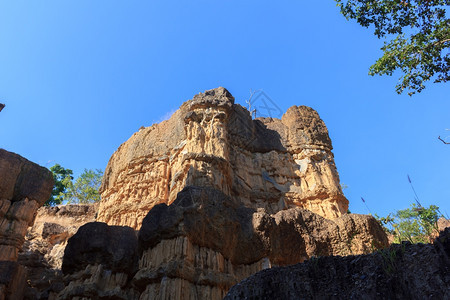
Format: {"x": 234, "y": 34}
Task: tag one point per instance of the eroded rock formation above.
{"x": 202, "y": 244}
{"x": 24, "y": 187}
{"x": 210, "y": 141}
{"x": 44, "y": 246}
{"x": 400, "y": 272}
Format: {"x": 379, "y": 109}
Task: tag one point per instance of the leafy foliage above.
{"x": 420, "y": 44}
{"x": 85, "y": 189}
{"x": 415, "y": 224}
{"x": 62, "y": 179}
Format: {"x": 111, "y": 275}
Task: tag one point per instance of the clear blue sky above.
{"x": 80, "y": 77}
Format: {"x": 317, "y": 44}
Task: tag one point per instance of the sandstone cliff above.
{"x": 24, "y": 187}
{"x": 208, "y": 198}
{"x": 201, "y": 245}
{"x": 210, "y": 141}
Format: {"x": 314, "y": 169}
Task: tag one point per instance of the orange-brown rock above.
{"x": 201, "y": 245}
{"x": 44, "y": 246}
{"x": 24, "y": 187}
{"x": 210, "y": 141}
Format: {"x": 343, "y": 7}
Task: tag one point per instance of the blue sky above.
{"x": 80, "y": 77}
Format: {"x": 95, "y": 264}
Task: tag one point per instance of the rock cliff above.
{"x": 24, "y": 187}
{"x": 210, "y": 141}
{"x": 197, "y": 203}
{"x": 201, "y": 245}
{"x": 400, "y": 272}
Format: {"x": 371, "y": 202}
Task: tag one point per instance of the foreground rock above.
{"x": 210, "y": 141}
{"x": 24, "y": 187}
{"x": 201, "y": 245}
{"x": 101, "y": 260}
{"x": 400, "y": 272}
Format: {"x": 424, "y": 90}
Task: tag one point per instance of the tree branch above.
{"x": 447, "y": 143}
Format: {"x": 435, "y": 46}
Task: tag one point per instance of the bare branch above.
{"x": 447, "y": 143}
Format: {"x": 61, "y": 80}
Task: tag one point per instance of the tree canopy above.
{"x": 62, "y": 177}
{"x": 416, "y": 224}
{"x": 417, "y": 36}
{"x": 83, "y": 190}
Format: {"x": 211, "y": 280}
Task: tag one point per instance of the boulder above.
{"x": 114, "y": 247}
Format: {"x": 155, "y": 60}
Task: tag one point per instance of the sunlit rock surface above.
{"x": 211, "y": 142}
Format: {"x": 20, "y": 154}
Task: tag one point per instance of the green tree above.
{"x": 416, "y": 224}
{"x": 85, "y": 188}
{"x": 417, "y": 36}
{"x": 63, "y": 178}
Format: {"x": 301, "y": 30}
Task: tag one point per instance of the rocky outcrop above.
{"x": 44, "y": 246}
{"x": 2, "y": 106}
{"x": 101, "y": 260}
{"x": 24, "y": 187}
{"x": 267, "y": 163}
{"x": 400, "y": 272}
{"x": 202, "y": 244}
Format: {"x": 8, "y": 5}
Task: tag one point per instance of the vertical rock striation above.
{"x": 201, "y": 245}
{"x": 210, "y": 141}
{"x": 215, "y": 197}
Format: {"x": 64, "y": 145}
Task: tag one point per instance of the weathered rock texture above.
{"x": 210, "y": 141}
{"x": 44, "y": 246}
{"x": 204, "y": 243}
{"x": 24, "y": 187}
{"x": 401, "y": 272}
{"x": 101, "y": 260}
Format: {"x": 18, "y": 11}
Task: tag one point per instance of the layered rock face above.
{"x": 210, "y": 141}
{"x": 215, "y": 197}
{"x": 201, "y": 245}
{"x": 400, "y": 272}
{"x": 24, "y": 187}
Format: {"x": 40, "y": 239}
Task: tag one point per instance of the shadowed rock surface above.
{"x": 115, "y": 247}
{"x": 204, "y": 243}
{"x": 100, "y": 260}
{"x": 400, "y": 272}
